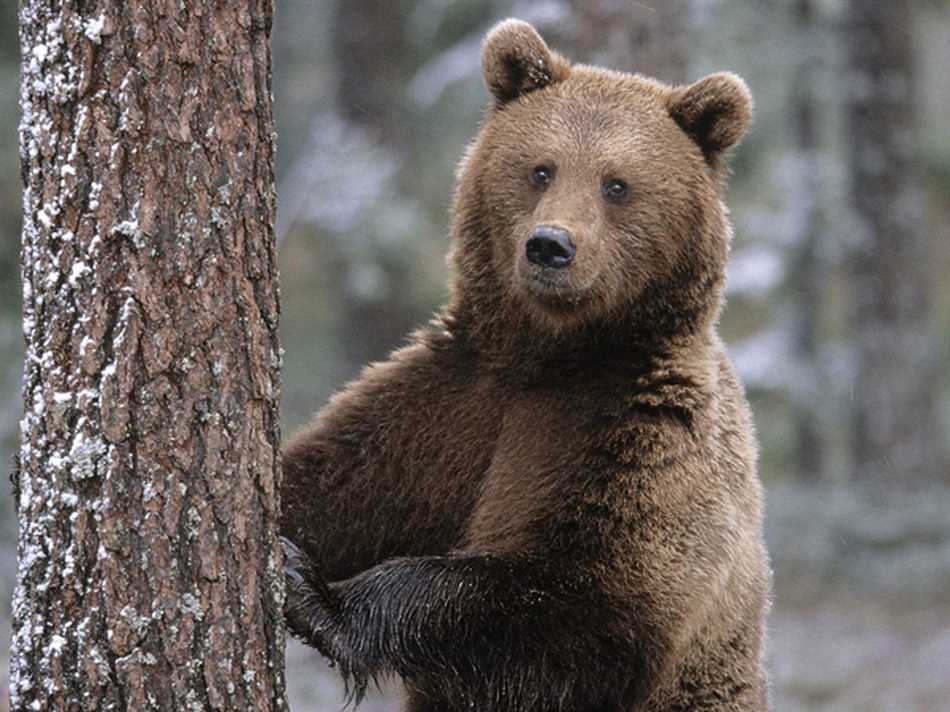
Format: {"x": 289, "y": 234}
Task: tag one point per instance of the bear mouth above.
{"x": 553, "y": 288}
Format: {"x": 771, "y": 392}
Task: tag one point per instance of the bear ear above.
{"x": 515, "y": 61}
{"x": 715, "y": 112}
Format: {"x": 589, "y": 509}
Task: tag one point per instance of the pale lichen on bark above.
{"x": 147, "y": 483}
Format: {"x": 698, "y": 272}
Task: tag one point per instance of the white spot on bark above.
{"x": 93, "y": 29}
{"x": 189, "y": 605}
{"x": 78, "y": 270}
{"x": 85, "y": 454}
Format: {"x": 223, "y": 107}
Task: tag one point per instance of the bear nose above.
{"x": 550, "y": 246}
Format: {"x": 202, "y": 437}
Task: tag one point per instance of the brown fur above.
{"x": 564, "y": 464}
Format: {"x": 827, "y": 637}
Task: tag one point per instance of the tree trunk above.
{"x": 377, "y": 309}
{"x": 806, "y": 273}
{"x": 651, "y": 38}
{"x": 148, "y": 573}
{"x": 369, "y": 45}
{"x": 896, "y": 428}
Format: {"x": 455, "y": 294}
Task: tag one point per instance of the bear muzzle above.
{"x": 550, "y": 246}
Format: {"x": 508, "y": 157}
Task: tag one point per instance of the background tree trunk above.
{"x": 369, "y": 43}
{"x": 370, "y": 46}
{"x": 148, "y": 575}
{"x": 896, "y": 427}
{"x": 651, "y": 38}
{"x": 806, "y": 271}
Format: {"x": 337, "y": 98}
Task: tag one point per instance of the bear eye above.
{"x": 542, "y": 175}
{"x": 615, "y": 190}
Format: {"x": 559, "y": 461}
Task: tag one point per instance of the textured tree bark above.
{"x": 896, "y": 428}
{"x": 148, "y": 575}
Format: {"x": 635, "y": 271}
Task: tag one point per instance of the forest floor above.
{"x": 861, "y": 615}
{"x": 846, "y": 656}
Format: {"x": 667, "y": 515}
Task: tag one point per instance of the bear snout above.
{"x": 550, "y": 246}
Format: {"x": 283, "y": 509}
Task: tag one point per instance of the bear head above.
{"x": 588, "y": 207}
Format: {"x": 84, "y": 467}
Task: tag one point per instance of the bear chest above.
{"x": 548, "y": 464}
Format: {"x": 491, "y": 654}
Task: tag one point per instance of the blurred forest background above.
{"x": 839, "y": 299}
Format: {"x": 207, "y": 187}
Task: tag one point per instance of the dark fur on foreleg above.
{"x": 476, "y": 632}
{"x": 312, "y": 612}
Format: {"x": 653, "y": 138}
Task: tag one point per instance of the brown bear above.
{"x": 549, "y": 500}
